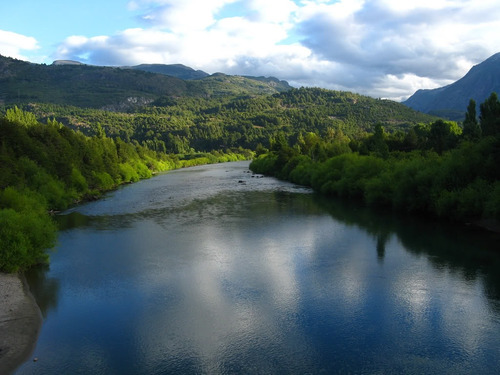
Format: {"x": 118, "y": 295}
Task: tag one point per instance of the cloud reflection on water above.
{"x": 256, "y": 279}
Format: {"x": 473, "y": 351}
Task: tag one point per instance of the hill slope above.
{"x": 174, "y": 70}
{"x": 451, "y": 101}
{"x": 218, "y": 82}
{"x": 177, "y": 125}
{"x": 113, "y": 88}
{"x": 80, "y": 85}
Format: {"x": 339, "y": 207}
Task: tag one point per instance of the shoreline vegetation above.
{"x": 439, "y": 169}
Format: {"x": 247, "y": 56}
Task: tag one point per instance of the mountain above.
{"x": 220, "y": 84}
{"x": 80, "y": 85}
{"x": 174, "y": 70}
{"x": 451, "y": 101}
{"x": 67, "y": 62}
{"x": 230, "y": 83}
{"x": 73, "y": 83}
{"x": 186, "y": 73}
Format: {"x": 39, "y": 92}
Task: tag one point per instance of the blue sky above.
{"x": 381, "y": 48}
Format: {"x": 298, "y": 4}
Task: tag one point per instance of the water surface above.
{"x": 214, "y": 270}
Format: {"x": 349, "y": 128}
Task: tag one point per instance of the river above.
{"x": 212, "y": 270}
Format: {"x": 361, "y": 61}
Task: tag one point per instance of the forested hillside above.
{"x": 113, "y": 88}
{"x": 180, "y": 125}
{"x": 438, "y": 169}
{"x": 174, "y": 70}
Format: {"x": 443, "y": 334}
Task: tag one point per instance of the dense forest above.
{"x": 438, "y": 168}
{"x": 48, "y": 167}
{"x": 182, "y": 124}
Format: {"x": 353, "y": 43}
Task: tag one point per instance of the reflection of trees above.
{"x": 71, "y": 220}
{"x": 469, "y": 251}
{"x": 381, "y": 242}
{"x": 45, "y": 291}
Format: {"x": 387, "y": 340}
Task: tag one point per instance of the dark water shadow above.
{"x": 469, "y": 251}
{"x": 44, "y": 289}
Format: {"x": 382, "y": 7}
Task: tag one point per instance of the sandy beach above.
{"x": 20, "y": 322}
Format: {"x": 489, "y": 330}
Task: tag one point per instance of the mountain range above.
{"x": 121, "y": 88}
{"x": 73, "y": 83}
{"x": 451, "y": 101}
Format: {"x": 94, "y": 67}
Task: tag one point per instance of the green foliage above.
{"x": 186, "y": 124}
{"x": 21, "y": 117}
{"x": 490, "y": 115}
{"x": 377, "y": 143}
{"x": 471, "y": 128}
{"x": 492, "y": 208}
{"x": 25, "y": 229}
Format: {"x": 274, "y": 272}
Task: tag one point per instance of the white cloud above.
{"x": 382, "y": 48}
{"x": 182, "y": 17}
{"x": 276, "y": 11}
{"x": 410, "y": 43}
{"x": 11, "y": 44}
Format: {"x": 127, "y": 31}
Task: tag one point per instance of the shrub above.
{"x": 26, "y": 230}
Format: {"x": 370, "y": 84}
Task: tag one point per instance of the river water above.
{"x": 211, "y": 270}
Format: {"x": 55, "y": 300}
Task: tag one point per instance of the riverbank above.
{"x": 20, "y": 322}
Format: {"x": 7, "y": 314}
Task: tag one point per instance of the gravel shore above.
{"x": 20, "y": 322}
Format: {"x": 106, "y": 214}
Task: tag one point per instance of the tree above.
{"x": 471, "y": 128}
{"x": 410, "y": 141}
{"x": 490, "y": 115}
{"x": 19, "y": 116}
{"x": 377, "y": 143}
{"x": 98, "y": 130}
{"x": 443, "y": 135}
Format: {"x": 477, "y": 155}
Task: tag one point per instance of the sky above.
{"x": 381, "y": 48}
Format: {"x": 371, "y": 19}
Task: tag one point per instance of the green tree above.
{"x": 25, "y": 229}
{"x": 443, "y": 135}
{"x": 377, "y": 142}
{"x": 471, "y": 128}
{"x": 98, "y": 130}
{"x": 490, "y": 115}
{"x": 21, "y": 117}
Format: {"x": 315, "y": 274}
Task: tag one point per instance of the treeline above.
{"x": 184, "y": 124}
{"x": 440, "y": 168}
{"x": 47, "y": 167}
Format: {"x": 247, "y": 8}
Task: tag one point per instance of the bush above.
{"x": 102, "y": 181}
{"x": 128, "y": 173}
{"x": 26, "y": 230}
{"x": 302, "y": 173}
{"x": 264, "y": 164}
